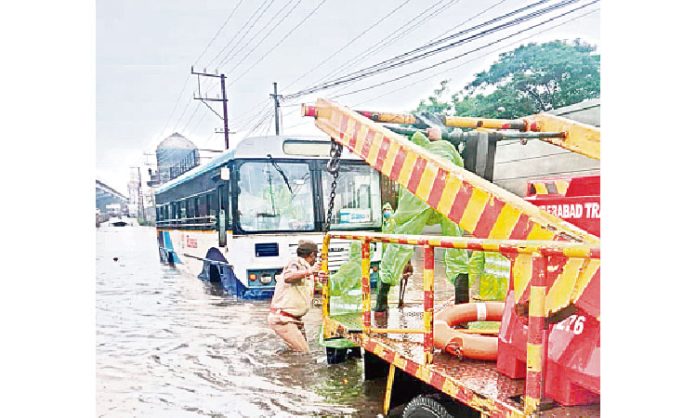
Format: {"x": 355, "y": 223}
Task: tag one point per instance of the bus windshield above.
{"x": 275, "y": 196}
{"x": 358, "y": 200}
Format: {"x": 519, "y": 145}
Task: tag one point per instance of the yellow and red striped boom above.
{"x": 577, "y": 137}
{"x": 476, "y": 205}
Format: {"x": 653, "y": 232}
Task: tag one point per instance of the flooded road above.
{"x": 169, "y": 345}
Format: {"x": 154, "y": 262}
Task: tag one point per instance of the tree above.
{"x": 530, "y": 79}
{"x": 433, "y": 104}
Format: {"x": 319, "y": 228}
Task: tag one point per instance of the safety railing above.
{"x": 529, "y": 270}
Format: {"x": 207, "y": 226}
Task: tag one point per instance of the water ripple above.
{"x": 170, "y": 345}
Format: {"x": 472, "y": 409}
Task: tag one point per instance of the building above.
{"x": 108, "y": 196}
{"x": 175, "y": 155}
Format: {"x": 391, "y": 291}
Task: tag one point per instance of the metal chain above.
{"x": 332, "y": 166}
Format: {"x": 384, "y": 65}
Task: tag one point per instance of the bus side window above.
{"x": 208, "y": 206}
{"x": 200, "y": 208}
{"x": 182, "y": 209}
{"x": 190, "y": 207}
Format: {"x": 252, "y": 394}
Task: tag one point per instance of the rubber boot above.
{"x": 382, "y": 293}
{"x": 461, "y": 288}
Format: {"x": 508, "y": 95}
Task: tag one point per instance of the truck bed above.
{"x": 475, "y": 383}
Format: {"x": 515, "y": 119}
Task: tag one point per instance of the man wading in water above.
{"x": 293, "y": 296}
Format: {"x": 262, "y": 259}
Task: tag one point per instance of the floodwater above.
{"x": 170, "y": 345}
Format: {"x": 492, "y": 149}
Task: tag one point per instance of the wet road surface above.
{"x": 170, "y": 345}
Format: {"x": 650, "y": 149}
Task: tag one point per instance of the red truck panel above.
{"x": 579, "y": 205}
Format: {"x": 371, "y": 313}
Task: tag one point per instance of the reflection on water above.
{"x": 171, "y": 345}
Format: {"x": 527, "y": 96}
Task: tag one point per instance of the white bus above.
{"x": 236, "y": 220}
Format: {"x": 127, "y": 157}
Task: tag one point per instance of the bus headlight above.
{"x": 262, "y": 277}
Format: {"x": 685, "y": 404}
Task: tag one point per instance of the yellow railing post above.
{"x": 428, "y": 302}
{"x": 536, "y": 341}
{"x": 367, "y": 316}
{"x": 325, "y": 291}
{"x": 388, "y": 390}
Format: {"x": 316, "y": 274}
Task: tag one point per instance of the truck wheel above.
{"x": 432, "y": 407}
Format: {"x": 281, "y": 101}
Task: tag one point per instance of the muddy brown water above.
{"x": 170, "y": 345}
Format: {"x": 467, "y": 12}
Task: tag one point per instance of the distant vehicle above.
{"x": 113, "y": 209}
{"x": 237, "y": 219}
{"x": 119, "y": 222}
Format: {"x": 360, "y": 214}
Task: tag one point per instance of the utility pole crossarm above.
{"x": 224, "y": 116}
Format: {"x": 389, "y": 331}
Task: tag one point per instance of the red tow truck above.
{"x": 548, "y": 345}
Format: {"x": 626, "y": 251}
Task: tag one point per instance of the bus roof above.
{"x": 279, "y": 147}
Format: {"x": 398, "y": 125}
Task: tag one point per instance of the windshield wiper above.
{"x": 282, "y": 173}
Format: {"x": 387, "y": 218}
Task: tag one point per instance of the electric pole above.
{"x": 276, "y": 104}
{"x": 215, "y": 99}
{"x": 135, "y": 192}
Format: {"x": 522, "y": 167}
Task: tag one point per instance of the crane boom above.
{"x": 478, "y": 206}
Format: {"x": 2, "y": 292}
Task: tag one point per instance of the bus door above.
{"x": 221, "y": 215}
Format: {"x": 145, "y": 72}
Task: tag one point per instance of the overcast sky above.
{"x": 145, "y": 49}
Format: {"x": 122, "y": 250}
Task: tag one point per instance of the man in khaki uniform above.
{"x": 293, "y": 296}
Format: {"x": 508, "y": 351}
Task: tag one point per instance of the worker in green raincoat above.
{"x": 411, "y": 217}
{"x": 387, "y": 219}
{"x": 489, "y": 275}
{"x": 346, "y": 283}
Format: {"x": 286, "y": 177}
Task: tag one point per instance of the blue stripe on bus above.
{"x": 167, "y": 240}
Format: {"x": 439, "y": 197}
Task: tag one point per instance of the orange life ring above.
{"x": 472, "y": 346}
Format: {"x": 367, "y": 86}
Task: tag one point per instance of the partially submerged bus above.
{"x": 236, "y": 220}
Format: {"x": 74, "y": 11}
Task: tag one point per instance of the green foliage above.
{"x": 530, "y": 79}
{"x": 434, "y": 103}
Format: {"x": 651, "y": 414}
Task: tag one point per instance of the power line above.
{"x": 176, "y": 125}
{"x": 205, "y": 99}
{"x": 237, "y": 33}
{"x": 349, "y": 43}
{"x": 468, "y": 20}
{"x": 191, "y": 118}
{"x": 281, "y": 40}
{"x": 286, "y": 114}
{"x": 176, "y": 104}
{"x": 255, "y": 110}
{"x": 471, "y": 29}
{"x": 402, "y": 59}
{"x": 369, "y": 71}
{"x": 218, "y": 32}
{"x": 476, "y": 58}
{"x": 254, "y": 120}
{"x": 297, "y": 3}
{"x": 229, "y": 55}
{"x": 295, "y": 125}
{"x": 188, "y": 104}
{"x": 259, "y": 123}
{"x": 268, "y": 22}
{"x": 397, "y": 34}
{"x": 178, "y": 99}
{"x": 445, "y": 32}
{"x": 468, "y": 52}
